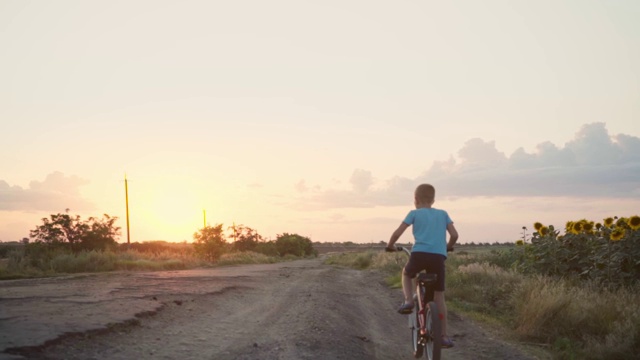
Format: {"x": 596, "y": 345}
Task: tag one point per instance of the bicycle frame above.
{"x": 424, "y": 293}
{"x": 428, "y": 333}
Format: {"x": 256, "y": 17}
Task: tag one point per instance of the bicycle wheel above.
{"x": 434, "y": 332}
{"x": 414, "y": 325}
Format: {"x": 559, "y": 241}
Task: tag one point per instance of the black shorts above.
{"x": 432, "y": 263}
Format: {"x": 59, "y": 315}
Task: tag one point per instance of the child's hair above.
{"x": 425, "y": 193}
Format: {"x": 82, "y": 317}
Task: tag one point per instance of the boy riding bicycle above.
{"x": 429, "y": 252}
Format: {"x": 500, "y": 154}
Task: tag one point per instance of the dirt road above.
{"x": 294, "y": 310}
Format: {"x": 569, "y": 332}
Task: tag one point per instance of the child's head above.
{"x": 425, "y": 195}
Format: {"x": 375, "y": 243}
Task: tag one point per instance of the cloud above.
{"x": 301, "y": 186}
{"x": 55, "y": 193}
{"x": 593, "y": 164}
{"x": 361, "y": 180}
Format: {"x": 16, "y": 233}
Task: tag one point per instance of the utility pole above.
{"x": 234, "y": 232}
{"x": 126, "y": 196}
{"x": 204, "y": 212}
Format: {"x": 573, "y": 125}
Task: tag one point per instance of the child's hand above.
{"x": 390, "y": 249}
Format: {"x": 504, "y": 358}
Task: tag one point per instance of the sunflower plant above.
{"x": 607, "y": 251}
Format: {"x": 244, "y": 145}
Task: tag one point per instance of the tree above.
{"x": 294, "y": 244}
{"x": 101, "y": 234}
{"x": 246, "y": 238}
{"x": 62, "y": 229}
{"x": 209, "y": 242}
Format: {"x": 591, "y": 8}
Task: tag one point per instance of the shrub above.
{"x": 209, "y": 243}
{"x": 267, "y": 248}
{"x": 294, "y": 244}
{"x": 245, "y": 238}
{"x": 7, "y": 248}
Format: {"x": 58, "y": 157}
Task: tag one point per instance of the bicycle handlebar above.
{"x": 406, "y": 250}
{"x": 398, "y": 248}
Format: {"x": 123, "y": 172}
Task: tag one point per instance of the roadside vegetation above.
{"x": 65, "y": 244}
{"x": 573, "y": 294}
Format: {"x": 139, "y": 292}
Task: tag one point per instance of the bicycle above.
{"x": 425, "y": 321}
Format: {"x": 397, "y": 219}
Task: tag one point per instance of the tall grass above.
{"x": 246, "y": 257}
{"x": 586, "y": 321}
{"x": 20, "y": 264}
{"x": 368, "y": 259}
{"x": 92, "y": 261}
{"x": 480, "y": 287}
{"x": 575, "y": 320}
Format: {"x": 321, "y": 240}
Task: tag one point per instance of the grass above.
{"x": 246, "y": 257}
{"x": 572, "y": 320}
{"x": 22, "y": 266}
{"x": 390, "y": 263}
{"x": 584, "y": 321}
{"x": 19, "y": 265}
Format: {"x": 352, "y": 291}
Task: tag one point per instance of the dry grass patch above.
{"x": 390, "y": 263}
{"x": 245, "y": 257}
{"x": 585, "y": 320}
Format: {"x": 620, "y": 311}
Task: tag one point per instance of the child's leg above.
{"x": 407, "y": 288}
{"x": 438, "y": 297}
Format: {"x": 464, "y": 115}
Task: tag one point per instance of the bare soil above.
{"x": 295, "y": 310}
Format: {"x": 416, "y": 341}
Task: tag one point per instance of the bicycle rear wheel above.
{"x": 434, "y": 332}
{"x": 414, "y": 325}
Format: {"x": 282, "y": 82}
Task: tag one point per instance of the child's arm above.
{"x": 453, "y": 236}
{"x": 396, "y": 235}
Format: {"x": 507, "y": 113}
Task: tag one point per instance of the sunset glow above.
{"x": 264, "y": 115}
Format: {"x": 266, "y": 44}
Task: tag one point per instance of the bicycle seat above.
{"x": 427, "y": 278}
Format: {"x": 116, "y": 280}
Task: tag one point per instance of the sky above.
{"x": 318, "y": 117}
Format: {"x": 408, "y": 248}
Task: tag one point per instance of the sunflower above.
{"x": 587, "y": 225}
{"x": 519, "y": 242}
{"x": 617, "y": 234}
{"x": 569, "y": 225}
{"x": 543, "y": 231}
{"x": 608, "y": 222}
{"x": 560, "y": 238}
{"x": 577, "y": 227}
{"x": 537, "y": 226}
{"x": 634, "y": 222}
{"x": 621, "y": 222}
{"x": 598, "y": 226}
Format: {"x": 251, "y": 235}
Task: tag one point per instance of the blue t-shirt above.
{"x": 429, "y": 230}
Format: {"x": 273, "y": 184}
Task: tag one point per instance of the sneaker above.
{"x": 446, "y": 342}
{"x": 405, "y": 309}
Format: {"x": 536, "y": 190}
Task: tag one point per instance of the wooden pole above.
{"x": 234, "y": 232}
{"x": 126, "y": 196}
